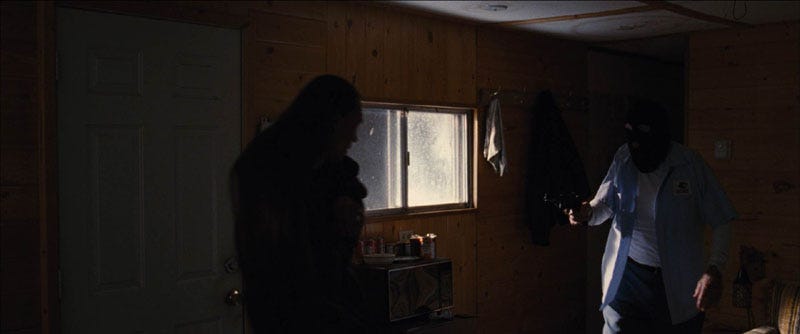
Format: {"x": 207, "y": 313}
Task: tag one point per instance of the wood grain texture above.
{"x": 518, "y": 281}
{"x": 743, "y": 87}
{"x": 20, "y": 167}
{"x": 314, "y": 10}
{"x": 272, "y": 27}
{"x": 18, "y": 239}
{"x": 396, "y": 56}
{"x": 20, "y": 293}
{"x": 284, "y": 51}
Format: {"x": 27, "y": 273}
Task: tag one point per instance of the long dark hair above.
{"x": 272, "y": 182}
{"x": 307, "y": 126}
{"x": 299, "y": 138}
{"x": 276, "y": 165}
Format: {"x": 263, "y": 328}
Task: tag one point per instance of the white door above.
{"x": 149, "y": 124}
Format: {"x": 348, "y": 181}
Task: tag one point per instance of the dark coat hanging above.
{"x": 555, "y": 172}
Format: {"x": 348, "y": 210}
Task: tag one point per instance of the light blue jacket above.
{"x": 689, "y": 198}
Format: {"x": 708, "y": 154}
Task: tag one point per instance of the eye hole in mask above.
{"x": 639, "y": 129}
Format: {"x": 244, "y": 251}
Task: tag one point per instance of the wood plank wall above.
{"x": 391, "y": 56}
{"x": 20, "y": 278}
{"x": 743, "y": 86}
{"x": 284, "y": 48}
{"x": 524, "y": 288}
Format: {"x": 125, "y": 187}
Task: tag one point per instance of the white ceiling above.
{"x": 615, "y": 27}
{"x": 653, "y": 33}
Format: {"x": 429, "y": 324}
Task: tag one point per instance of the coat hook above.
{"x": 496, "y": 92}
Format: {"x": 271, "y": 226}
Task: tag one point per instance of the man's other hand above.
{"x": 580, "y": 215}
{"x": 709, "y": 289}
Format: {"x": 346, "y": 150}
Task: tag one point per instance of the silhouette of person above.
{"x": 660, "y": 195}
{"x": 299, "y": 212}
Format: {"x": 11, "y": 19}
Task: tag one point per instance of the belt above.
{"x": 644, "y": 266}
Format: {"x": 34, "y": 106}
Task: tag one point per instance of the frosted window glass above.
{"x": 437, "y": 171}
{"x": 378, "y": 152}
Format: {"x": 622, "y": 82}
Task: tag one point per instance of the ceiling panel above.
{"x": 621, "y": 27}
{"x": 611, "y": 28}
{"x": 753, "y": 12}
{"x": 515, "y": 10}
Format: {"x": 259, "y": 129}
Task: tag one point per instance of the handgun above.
{"x": 570, "y": 201}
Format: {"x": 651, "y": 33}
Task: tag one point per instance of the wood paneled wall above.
{"x": 523, "y": 288}
{"x": 392, "y": 56}
{"x": 744, "y": 86}
{"x": 396, "y": 56}
{"x": 21, "y": 265}
{"x": 282, "y": 53}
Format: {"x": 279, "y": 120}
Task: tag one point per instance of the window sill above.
{"x": 391, "y": 217}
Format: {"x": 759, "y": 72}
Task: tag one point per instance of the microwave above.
{"x": 400, "y": 291}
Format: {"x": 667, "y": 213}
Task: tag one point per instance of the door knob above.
{"x": 233, "y": 297}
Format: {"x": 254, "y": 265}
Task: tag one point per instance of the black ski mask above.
{"x": 647, "y": 133}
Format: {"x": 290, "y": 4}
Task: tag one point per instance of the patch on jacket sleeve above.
{"x": 682, "y": 188}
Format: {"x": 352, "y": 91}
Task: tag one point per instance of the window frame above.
{"x": 470, "y": 156}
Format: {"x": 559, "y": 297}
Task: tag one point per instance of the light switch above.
{"x": 722, "y": 149}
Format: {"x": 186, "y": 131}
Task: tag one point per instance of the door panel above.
{"x": 115, "y": 208}
{"x": 149, "y": 126}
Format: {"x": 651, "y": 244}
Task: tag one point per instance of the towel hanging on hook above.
{"x": 494, "y": 148}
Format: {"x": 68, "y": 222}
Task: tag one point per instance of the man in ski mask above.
{"x": 660, "y": 195}
{"x": 647, "y": 134}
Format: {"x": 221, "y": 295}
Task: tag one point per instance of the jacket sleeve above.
{"x": 605, "y": 200}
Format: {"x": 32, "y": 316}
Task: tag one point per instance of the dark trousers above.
{"x": 640, "y": 305}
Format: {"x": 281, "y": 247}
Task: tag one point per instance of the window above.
{"x": 414, "y": 158}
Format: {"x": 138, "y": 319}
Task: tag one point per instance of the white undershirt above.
{"x": 644, "y": 242}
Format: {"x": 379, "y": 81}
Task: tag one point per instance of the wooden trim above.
{"x": 427, "y": 107}
{"x": 384, "y": 102}
{"x": 248, "y": 66}
{"x": 257, "y": 14}
{"x": 48, "y": 168}
{"x": 471, "y": 157}
{"x": 665, "y": 5}
{"x": 638, "y": 9}
{"x": 417, "y": 215}
{"x": 650, "y": 5}
{"x": 188, "y": 12}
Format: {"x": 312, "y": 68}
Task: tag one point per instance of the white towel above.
{"x": 494, "y": 150}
